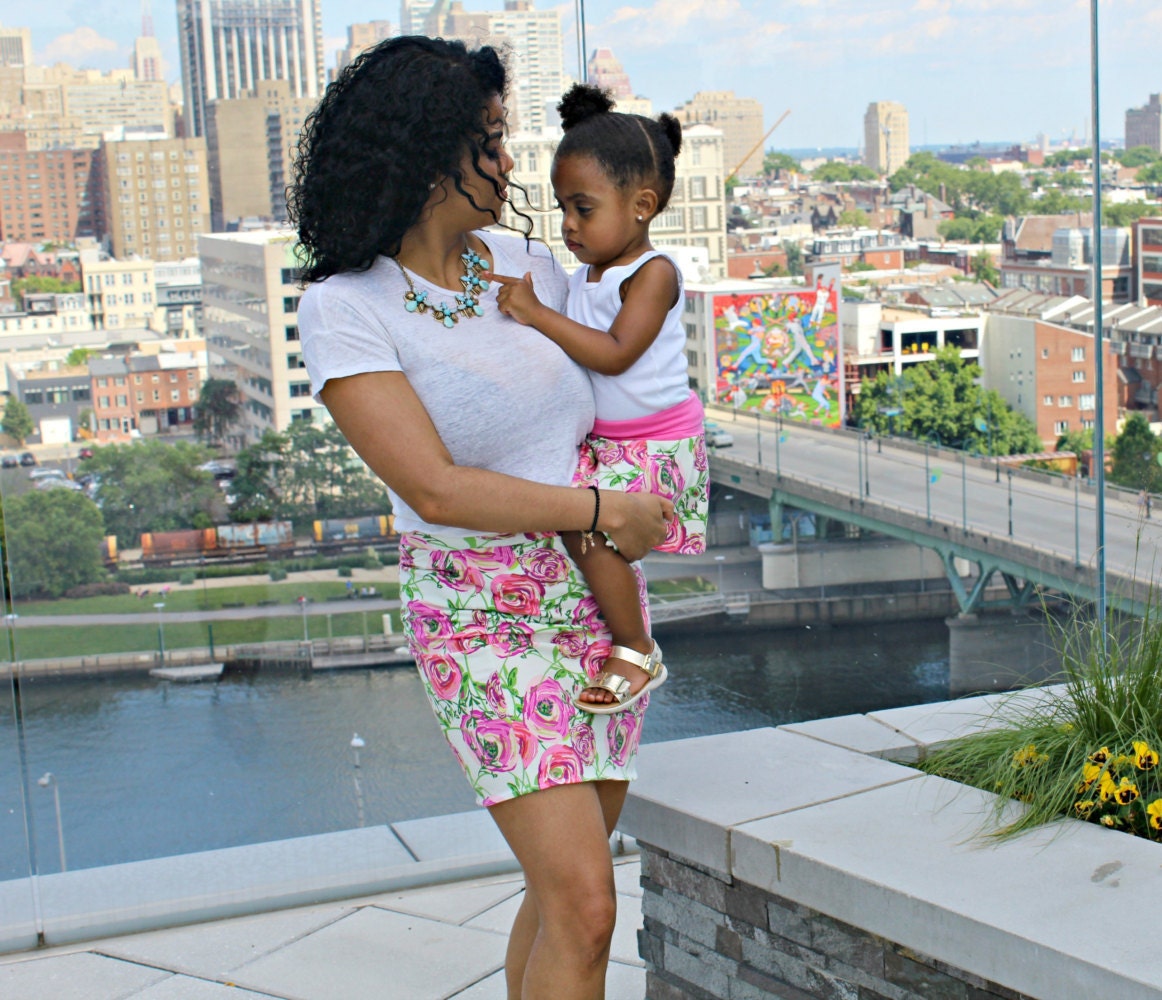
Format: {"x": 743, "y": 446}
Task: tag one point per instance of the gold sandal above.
{"x": 618, "y": 686}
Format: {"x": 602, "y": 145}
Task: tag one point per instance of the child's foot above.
{"x": 628, "y": 675}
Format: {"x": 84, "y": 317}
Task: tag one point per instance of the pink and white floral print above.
{"x": 678, "y": 470}
{"x": 505, "y": 634}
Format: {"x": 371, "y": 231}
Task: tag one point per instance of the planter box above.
{"x": 810, "y": 861}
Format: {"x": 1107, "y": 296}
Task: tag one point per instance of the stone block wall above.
{"x": 706, "y": 939}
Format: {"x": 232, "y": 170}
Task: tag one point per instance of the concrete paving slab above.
{"x": 214, "y": 950}
{"x": 491, "y": 988}
{"x": 931, "y": 725}
{"x": 1008, "y": 911}
{"x": 187, "y": 988}
{"x": 861, "y": 733}
{"x": 459, "y": 834}
{"x": 627, "y": 879}
{"x": 689, "y": 793}
{"x": 78, "y": 976}
{"x": 375, "y": 953}
{"x": 453, "y": 904}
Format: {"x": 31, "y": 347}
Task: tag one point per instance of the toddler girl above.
{"x": 612, "y": 175}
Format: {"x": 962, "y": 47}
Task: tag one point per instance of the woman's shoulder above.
{"x": 515, "y": 248}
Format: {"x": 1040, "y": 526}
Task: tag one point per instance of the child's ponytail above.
{"x": 583, "y": 101}
{"x": 673, "y": 129}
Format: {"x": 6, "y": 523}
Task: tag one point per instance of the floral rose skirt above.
{"x": 678, "y": 470}
{"x": 505, "y": 633}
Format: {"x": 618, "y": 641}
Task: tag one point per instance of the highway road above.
{"x": 943, "y": 486}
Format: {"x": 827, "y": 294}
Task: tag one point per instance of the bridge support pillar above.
{"x": 776, "y": 509}
{"x": 1000, "y": 650}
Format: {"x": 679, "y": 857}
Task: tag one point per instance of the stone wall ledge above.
{"x": 819, "y": 815}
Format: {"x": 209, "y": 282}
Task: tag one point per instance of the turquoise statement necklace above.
{"x": 467, "y": 302}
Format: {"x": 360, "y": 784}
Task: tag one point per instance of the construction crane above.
{"x": 750, "y": 152}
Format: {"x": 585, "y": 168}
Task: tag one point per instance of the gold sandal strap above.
{"x": 615, "y": 684}
{"x": 650, "y": 662}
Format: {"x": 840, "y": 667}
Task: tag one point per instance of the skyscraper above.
{"x": 147, "y": 61}
{"x": 741, "y": 122}
{"x": 606, "y": 72}
{"x": 361, "y": 37}
{"x": 1144, "y": 125}
{"x": 230, "y": 46}
{"x": 538, "y": 64}
{"x": 885, "y": 136}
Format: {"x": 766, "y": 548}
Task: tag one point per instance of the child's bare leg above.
{"x": 614, "y": 587}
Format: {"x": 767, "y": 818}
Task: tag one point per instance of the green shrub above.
{"x": 188, "y": 577}
{"x": 346, "y": 571}
{"x": 277, "y": 572}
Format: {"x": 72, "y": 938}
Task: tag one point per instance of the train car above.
{"x": 168, "y": 546}
{"x": 267, "y": 534}
{"x": 337, "y": 532}
{"x": 109, "y": 550}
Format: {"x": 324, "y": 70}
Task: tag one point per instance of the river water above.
{"x": 146, "y": 768}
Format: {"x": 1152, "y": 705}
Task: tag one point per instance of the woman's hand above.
{"x": 634, "y": 522}
{"x": 516, "y": 297}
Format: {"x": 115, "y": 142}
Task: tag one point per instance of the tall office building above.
{"x": 228, "y": 47}
{"x": 606, "y": 72}
{"x": 15, "y": 46}
{"x": 740, "y": 119}
{"x": 248, "y": 177}
{"x": 413, "y": 15}
{"x": 885, "y": 136}
{"x": 46, "y": 194}
{"x": 361, "y": 37}
{"x": 156, "y": 195}
{"x": 538, "y": 61}
{"x": 1144, "y": 125}
{"x": 147, "y": 61}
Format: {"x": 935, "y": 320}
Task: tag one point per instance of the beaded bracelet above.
{"x": 587, "y": 536}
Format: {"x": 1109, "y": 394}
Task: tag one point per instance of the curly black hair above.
{"x": 631, "y": 149}
{"x": 396, "y": 120}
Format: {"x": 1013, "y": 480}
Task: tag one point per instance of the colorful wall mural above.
{"x": 778, "y": 352}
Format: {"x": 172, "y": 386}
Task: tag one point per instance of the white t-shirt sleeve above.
{"x": 340, "y": 336}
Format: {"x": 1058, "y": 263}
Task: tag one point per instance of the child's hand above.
{"x": 516, "y": 297}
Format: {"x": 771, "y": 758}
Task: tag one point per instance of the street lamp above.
{"x": 357, "y": 744}
{"x": 49, "y": 779}
{"x": 303, "y": 608}
{"x": 160, "y": 606}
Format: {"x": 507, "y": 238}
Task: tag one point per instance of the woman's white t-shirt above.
{"x": 502, "y": 396}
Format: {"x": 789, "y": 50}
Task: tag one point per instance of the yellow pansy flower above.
{"x": 1146, "y": 758}
{"x": 1154, "y": 811}
{"x": 1109, "y": 821}
{"x": 1100, "y": 756}
{"x": 1085, "y": 807}
{"x": 1089, "y": 773}
{"x": 1127, "y": 792}
{"x": 1108, "y": 788}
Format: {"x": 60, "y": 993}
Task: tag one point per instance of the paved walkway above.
{"x": 424, "y": 944}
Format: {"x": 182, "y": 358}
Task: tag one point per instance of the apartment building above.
{"x": 1147, "y": 257}
{"x": 1144, "y": 125}
{"x": 739, "y": 119}
{"x": 121, "y": 294}
{"x": 229, "y": 47}
{"x": 47, "y": 195}
{"x": 250, "y": 143}
{"x": 250, "y": 299}
{"x": 156, "y": 194}
{"x": 885, "y": 136}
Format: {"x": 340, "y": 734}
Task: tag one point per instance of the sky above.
{"x": 967, "y": 70}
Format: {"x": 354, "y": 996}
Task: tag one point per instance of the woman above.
{"x": 474, "y": 423}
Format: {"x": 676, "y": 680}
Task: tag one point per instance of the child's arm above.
{"x": 649, "y": 294}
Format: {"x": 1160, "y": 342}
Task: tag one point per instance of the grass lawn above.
{"x": 246, "y": 595}
{"x": 93, "y": 640}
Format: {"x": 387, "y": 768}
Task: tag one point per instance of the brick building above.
{"x": 46, "y": 195}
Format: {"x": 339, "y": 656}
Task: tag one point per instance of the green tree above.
{"x": 983, "y": 269}
{"x": 17, "y": 422}
{"x": 794, "y": 254}
{"x": 1137, "y": 156}
{"x": 154, "y": 486}
{"x": 219, "y": 408}
{"x": 835, "y": 172}
{"x": 1127, "y": 213}
{"x": 853, "y": 217}
{"x": 942, "y": 401}
{"x": 1135, "y": 456}
{"x": 774, "y": 162}
{"x": 1151, "y": 174}
{"x": 41, "y": 283}
{"x": 972, "y": 227}
{"x": 54, "y": 542}
{"x": 78, "y": 356}
{"x": 1056, "y": 202}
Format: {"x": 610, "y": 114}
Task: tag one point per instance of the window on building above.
{"x": 697, "y": 187}
{"x": 300, "y": 389}
{"x": 1047, "y": 400}
{"x": 1079, "y": 376}
{"x": 140, "y": 397}
{"x": 290, "y": 303}
{"x": 122, "y": 400}
{"x": 1086, "y": 402}
{"x": 1077, "y": 354}
{"x": 175, "y": 395}
{"x": 1065, "y": 401}
{"x": 698, "y": 217}
{"x": 292, "y": 333}
{"x": 156, "y": 395}
{"x": 1061, "y": 427}
{"x": 1044, "y": 352}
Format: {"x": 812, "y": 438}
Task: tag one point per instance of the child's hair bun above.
{"x": 583, "y": 101}
{"x": 673, "y": 129}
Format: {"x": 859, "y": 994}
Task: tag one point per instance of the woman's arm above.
{"x": 383, "y": 419}
{"x": 649, "y": 295}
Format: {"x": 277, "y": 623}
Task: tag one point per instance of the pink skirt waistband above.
{"x": 682, "y": 421}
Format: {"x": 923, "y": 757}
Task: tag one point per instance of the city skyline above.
{"x": 974, "y": 70}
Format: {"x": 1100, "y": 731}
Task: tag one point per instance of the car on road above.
{"x": 27, "y": 458}
{"x": 46, "y": 472}
{"x": 86, "y": 453}
{"x": 9, "y": 462}
{"x": 716, "y": 437}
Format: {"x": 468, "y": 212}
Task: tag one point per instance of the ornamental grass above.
{"x": 1092, "y": 753}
